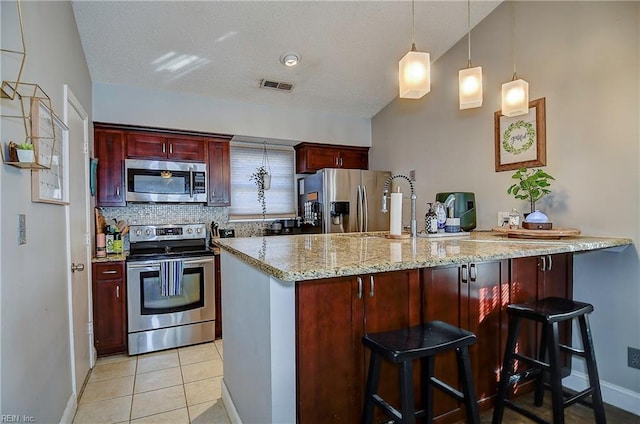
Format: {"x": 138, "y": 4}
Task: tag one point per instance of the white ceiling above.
{"x": 349, "y": 49}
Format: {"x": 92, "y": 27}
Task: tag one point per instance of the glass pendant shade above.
{"x": 415, "y": 75}
{"x": 470, "y": 87}
{"x": 515, "y": 97}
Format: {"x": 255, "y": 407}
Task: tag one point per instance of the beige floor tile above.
{"x": 105, "y": 411}
{"x": 158, "y": 361}
{"x": 107, "y": 389}
{"x": 203, "y": 390}
{"x": 160, "y": 379}
{"x": 218, "y": 344}
{"x": 177, "y": 416}
{"x": 198, "y": 353}
{"x": 114, "y": 358}
{"x": 201, "y": 370}
{"x": 106, "y": 371}
{"x": 157, "y": 401}
{"x": 209, "y": 412}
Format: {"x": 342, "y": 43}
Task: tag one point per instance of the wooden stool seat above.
{"x": 421, "y": 342}
{"x": 549, "y": 312}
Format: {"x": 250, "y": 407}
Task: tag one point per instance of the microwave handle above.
{"x": 191, "y": 182}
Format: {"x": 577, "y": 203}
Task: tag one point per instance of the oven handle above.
{"x": 191, "y": 182}
{"x": 150, "y": 264}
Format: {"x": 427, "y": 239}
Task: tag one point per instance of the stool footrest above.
{"x": 524, "y": 375}
{"x": 573, "y": 350}
{"x": 578, "y": 397}
{"x": 531, "y": 361}
{"x": 447, "y": 389}
{"x": 392, "y": 412}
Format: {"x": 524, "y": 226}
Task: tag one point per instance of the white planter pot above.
{"x": 26, "y": 155}
{"x": 267, "y": 182}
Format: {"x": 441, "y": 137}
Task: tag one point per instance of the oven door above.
{"x": 147, "y": 307}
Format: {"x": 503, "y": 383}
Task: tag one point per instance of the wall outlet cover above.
{"x": 503, "y": 219}
{"x": 633, "y": 357}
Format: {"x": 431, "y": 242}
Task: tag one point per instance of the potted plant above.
{"x": 532, "y": 185}
{"x": 262, "y": 178}
{"x": 25, "y": 152}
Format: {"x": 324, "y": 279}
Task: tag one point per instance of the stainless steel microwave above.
{"x": 165, "y": 181}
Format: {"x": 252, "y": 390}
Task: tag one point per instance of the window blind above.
{"x": 280, "y": 198}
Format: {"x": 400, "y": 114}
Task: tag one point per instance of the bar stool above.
{"x": 549, "y": 312}
{"x": 420, "y": 342}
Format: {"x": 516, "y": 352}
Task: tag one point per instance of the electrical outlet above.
{"x": 503, "y": 219}
{"x": 633, "y": 357}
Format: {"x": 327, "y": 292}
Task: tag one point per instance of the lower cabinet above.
{"x": 467, "y": 296}
{"x": 109, "y": 307}
{"x": 332, "y": 315}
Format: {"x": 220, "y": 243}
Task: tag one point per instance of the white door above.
{"x": 80, "y": 248}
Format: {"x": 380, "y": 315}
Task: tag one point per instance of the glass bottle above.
{"x": 441, "y": 214}
{"x": 514, "y": 219}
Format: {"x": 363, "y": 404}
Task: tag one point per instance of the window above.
{"x": 280, "y": 198}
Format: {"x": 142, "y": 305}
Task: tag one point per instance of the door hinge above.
{"x": 90, "y": 328}
{"x": 87, "y": 239}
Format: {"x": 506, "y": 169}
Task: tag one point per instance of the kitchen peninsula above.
{"x": 299, "y": 305}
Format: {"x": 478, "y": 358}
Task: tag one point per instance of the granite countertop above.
{"x": 313, "y": 256}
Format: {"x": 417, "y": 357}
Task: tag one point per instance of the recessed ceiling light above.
{"x": 290, "y": 59}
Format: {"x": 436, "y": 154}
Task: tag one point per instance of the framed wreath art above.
{"x": 520, "y": 141}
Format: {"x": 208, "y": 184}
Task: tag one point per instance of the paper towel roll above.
{"x": 395, "y": 228}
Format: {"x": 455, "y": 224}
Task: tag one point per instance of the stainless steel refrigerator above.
{"x": 343, "y": 201}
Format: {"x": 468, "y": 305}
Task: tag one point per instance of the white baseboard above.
{"x": 70, "y": 410}
{"x": 613, "y": 395}
{"x": 228, "y": 404}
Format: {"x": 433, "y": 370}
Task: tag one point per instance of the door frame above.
{"x": 70, "y": 100}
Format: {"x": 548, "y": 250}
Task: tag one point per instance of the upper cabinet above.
{"x": 143, "y": 145}
{"x": 109, "y": 149}
{"x": 219, "y": 172}
{"x": 311, "y": 157}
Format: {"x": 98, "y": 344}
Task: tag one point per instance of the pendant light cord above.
{"x": 513, "y": 38}
{"x": 413, "y": 25}
{"x": 469, "y": 32}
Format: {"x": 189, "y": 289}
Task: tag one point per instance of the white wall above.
{"x": 165, "y": 109}
{"x": 35, "y": 367}
{"x": 583, "y": 57}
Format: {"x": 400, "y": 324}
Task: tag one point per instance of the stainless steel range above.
{"x": 170, "y": 287}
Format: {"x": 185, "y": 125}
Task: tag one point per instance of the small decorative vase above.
{"x": 266, "y": 182}
{"x": 26, "y": 155}
{"x": 537, "y": 217}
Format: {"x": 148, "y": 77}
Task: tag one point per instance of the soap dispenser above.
{"x": 431, "y": 220}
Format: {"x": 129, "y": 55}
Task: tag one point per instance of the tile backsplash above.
{"x": 141, "y": 214}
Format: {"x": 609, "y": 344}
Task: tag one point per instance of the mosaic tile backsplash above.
{"x": 144, "y": 214}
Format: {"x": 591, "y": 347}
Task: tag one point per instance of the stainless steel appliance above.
{"x": 158, "y": 320}
{"x": 165, "y": 181}
{"x": 342, "y": 201}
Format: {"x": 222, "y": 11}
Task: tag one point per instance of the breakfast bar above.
{"x": 297, "y": 307}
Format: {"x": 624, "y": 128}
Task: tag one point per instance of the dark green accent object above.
{"x": 464, "y": 208}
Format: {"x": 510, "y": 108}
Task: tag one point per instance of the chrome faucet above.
{"x": 385, "y": 193}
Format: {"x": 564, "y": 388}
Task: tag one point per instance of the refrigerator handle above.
{"x": 359, "y": 222}
{"x": 365, "y": 208}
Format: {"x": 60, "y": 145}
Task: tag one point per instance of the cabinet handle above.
{"x": 340, "y": 161}
{"x": 118, "y": 292}
{"x": 372, "y": 286}
{"x": 473, "y": 272}
{"x": 337, "y": 161}
{"x": 117, "y": 190}
{"x": 213, "y": 194}
{"x": 109, "y": 272}
{"x": 544, "y": 263}
{"x": 550, "y": 262}
{"x": 164, "y": 148}
{"x": 359, "y": 287}
{"x": 465, "y": 276}
{"x": 170, "y": 148}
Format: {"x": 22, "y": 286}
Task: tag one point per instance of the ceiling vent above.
{"x": 275, "y": 85}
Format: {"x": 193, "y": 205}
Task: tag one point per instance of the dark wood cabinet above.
{"x": 109, "y": 150}
{"x": 219, "y": 170}
{"x": 467, "y": 296}
{"x": 332, "y": 315}
{"x": 311, "y": 157}
{"x": 109, "y": 307}
{"x": 143, "y": 145}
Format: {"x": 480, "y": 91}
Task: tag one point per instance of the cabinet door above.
{"x": 186, "y": 149}
{"x": 146, "y": 146}
{"x": 109, "y": 149}
{"x": 219, "y": 174}
{"x": 354, "y": 159}
{"x": 326, "y": 350}
{"x": 109, "y": 308}
{"x": 309, "y": 159}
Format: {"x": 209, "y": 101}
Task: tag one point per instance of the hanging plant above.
{"x": 259, "y": 177}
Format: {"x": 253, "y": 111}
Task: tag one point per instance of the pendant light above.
{"x": 515, "y": 94}
{"x": 470, "y": 79}
{"x": 414, "y": 69}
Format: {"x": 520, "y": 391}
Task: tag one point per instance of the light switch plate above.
{"x": 22, "y": 229}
